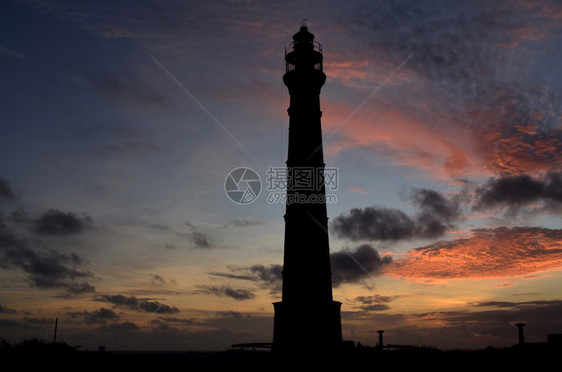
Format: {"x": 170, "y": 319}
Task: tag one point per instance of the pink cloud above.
{"x": 403, "y": 138}
{"x": 488, "y": 253}
{"x": 358, "y": 190}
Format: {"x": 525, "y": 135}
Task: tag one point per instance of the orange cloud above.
{"x": 358, "y": 190}
{"x": 401, "y": 137}
{"x": 488, "y": 253}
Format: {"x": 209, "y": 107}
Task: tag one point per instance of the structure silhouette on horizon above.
{"x": 307, "y": 317}
{"x": 520, "y": 332}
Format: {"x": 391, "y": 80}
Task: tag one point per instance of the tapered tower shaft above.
{"x": 307, "y": 316}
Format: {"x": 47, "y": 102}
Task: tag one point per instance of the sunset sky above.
{"x": 120, "y": 122}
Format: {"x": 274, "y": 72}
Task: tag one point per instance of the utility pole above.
{"x": 56, "y": 325}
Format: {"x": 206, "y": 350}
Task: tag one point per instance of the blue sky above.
{"x": 121, "y": 121}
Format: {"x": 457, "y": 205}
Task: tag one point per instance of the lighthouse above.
{"x": 307, "y": 318}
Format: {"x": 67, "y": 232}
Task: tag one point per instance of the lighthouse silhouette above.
{"x": 307, "y": 318}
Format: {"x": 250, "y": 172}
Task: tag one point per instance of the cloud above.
{"x": 373, "y": 303}
{"x": 348, "y": 266}
{"x": 162, "y": 320}
{"x": 487, "y": 253}
{"x": 268, "y": 276}
{"x": 157, "y": 279}
{"x": 436, "y": 212}
{"x": 520, "y": 190}
{"x": 243, "y": 223}
{"x": 374, "y": 223}
{"x": 433, "y": 203}
{"x": 384, "y": 224}
{"x": 51, "y": 269}
{"x": 543, "y": 312}
{"x": 470, "y": 72}
{"x": 200, "y": 239}
{"x": 7, "y": 310}
{"x": 137, "y": 304}
{"x": 120, "y": 327}
{"x": 226, "y": 291}
{"x": 101, "y": 316}
{"x": 355, "y": 266}
{"x": 55, "y": 222}
{"x": 36, "y": 321}
{"x": 6, "y": 190}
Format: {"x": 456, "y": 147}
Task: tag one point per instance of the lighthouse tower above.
{"x": 307, "y": 317}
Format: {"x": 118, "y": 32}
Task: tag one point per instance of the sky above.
{"x": 121, "y": 122}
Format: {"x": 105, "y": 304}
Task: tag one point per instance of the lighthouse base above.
{"x": 306, "y": 327}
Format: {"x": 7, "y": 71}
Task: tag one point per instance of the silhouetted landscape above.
{"x": 37, "y": 353}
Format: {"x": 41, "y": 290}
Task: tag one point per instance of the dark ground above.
{"x": 529, "y": 357}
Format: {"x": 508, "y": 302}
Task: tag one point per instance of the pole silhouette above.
{"x": 521, "y": 336}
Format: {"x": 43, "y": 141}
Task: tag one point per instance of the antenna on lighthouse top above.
{"x": 303, "y": 23}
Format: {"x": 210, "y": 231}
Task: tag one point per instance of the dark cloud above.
{"x": 268, "y": 276}
{"x": 231, "y": 314}
{"x": 356, "y": 266}
{"x": 520, "y": 190}
{"x": 348, "y": 266}
{"x": 519, "y": 306}
{"x": 6, "y": 190}
{"x": 384, "y": 224}
{"x": 376, "y": 299}
{"x": 75, "y": 289}
{"x": 433, "y": 203}
{"x": 243, "y": 223}
{"x": 39, "y": 321}
{"x": 19, "y": 216}
{"x": 374, "y": 223}
{"x": 101, "y": 316}
{"x": 200, "y": 239}
{"x": 436, "y": 212}
{"x": 120, "y": 327}
{"x": 162, "y": 320}
{"x": 157, "y": 279}
{"x": 235, "y": 276}
{"x": 55, "y": 222}
{"x": 45, "y": 269}
{"x": 373, "y": 303}
{"x": 7, "y": 310}
{"x": 12, "y": 323}
{"x": 544, "y": 314}
{"x": 226, "y": 291}
{"x": 375, "y": 307}
{"x": 51, "y": 269}
{"x": 137, "y": 304}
